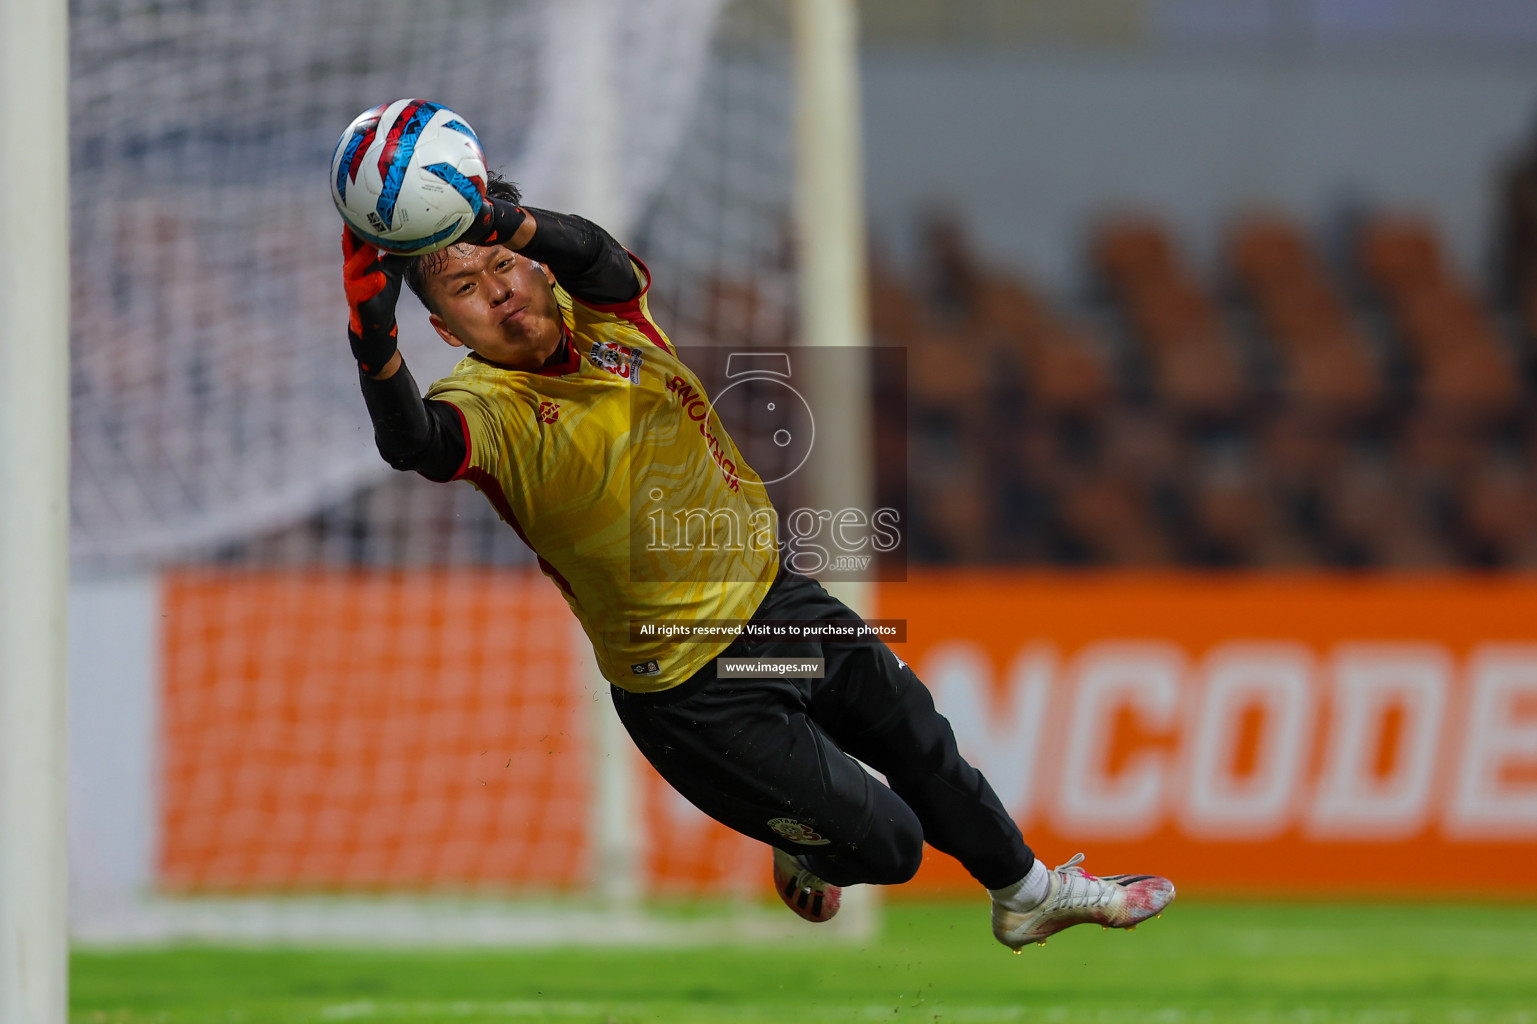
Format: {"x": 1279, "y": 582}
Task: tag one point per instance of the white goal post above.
{"x": 830, "y": 235}
{"x": 34, "y": 511}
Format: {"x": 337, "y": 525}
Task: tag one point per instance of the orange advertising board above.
{"x": 327, "y": 730}
{"x": 1259, "y": 734}
{"x": 1272, "y": 734}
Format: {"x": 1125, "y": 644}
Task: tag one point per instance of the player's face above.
{"x": 496, "y": 303}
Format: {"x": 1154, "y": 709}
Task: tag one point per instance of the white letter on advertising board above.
{"x": 1275, "y": 678}
{"x": 1370, "y": 680}
{"x": 1109, "y": 676}
{"x": 1501, "y": 734}
{"x": 1002, "y": 743}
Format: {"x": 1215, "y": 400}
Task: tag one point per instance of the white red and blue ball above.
{"x": 409, "y": 176}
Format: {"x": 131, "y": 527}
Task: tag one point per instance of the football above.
{"x": 408, "y": 176}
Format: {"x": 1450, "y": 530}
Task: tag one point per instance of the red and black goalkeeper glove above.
{"x": 373, "y": 287}
{"x": 497, "y": 222}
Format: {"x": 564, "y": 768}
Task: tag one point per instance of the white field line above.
{"x": 427, "y": 922}
{"x": 363, "y": 1010}
{"x": 900, "y": 1009}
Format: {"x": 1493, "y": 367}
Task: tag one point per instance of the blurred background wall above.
{"x": 1052, "y": 139}
{"x": 1030, "y": 119}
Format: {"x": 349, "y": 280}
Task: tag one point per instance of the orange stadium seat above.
{"x": 1130, "y": 249}
{"x": 1463, "y": 366}
{"x": 1381, "y": 515}
{"x": 1193, "y": 361}
{"x": 1064, "y": 373}
{"x": 1299, "y": 450}
{"x": 1326, "y": 361}
{"x": 947, "y": 375}
{"x": 1109, "y": 515}
{"x": 1061, "y": 370}
{"x": 1236, "y": 522}
{"x": 952, "y": 501}
{"x": 1499, "y": 512}
{"x": 1440, "y": 447}
{"x": 1140, "y": 444}
{"x": 1400, "y": 254}
{"x": 1006, "y": 304}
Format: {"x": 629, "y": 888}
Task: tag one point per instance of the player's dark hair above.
{"x": 420, "y": 268}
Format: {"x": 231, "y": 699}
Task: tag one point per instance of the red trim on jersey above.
{"x": 465, "y": 465}
{"x": 630, "y": 309}
{"x": 573, "y": 358}
{"x": 552, "y": 572}
{"x": 649, "y": 329}
{"x": 492, "y": 489}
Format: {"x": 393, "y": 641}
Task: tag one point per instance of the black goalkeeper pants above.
{"x": 774, "y": 758}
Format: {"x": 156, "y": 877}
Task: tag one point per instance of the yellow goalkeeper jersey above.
{"x": 614, "y": 468}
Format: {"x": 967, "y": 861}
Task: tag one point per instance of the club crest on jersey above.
{"x": 620, "y": 360}
{"x": 797, "y": 832}
{"x": 549, "y": 412}
{"x": 646, "y": 668}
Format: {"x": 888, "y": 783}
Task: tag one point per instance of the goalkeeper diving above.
{"x": 567, "y": 402}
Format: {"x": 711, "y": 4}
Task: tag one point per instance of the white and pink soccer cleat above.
{"x": 1073, "y": 896}
{"x": 803, "y": 892}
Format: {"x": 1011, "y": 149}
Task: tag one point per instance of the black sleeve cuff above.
{"x": 412, "y": 433}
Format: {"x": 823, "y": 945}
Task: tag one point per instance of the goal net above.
{"x": 312, "y": 698}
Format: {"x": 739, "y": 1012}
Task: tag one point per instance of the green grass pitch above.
{"x": 935, "y": 963}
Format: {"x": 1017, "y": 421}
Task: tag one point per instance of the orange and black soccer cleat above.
{"x": 803, "y": 892}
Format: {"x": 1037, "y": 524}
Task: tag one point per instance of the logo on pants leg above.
{"x": 797, "y": 832}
